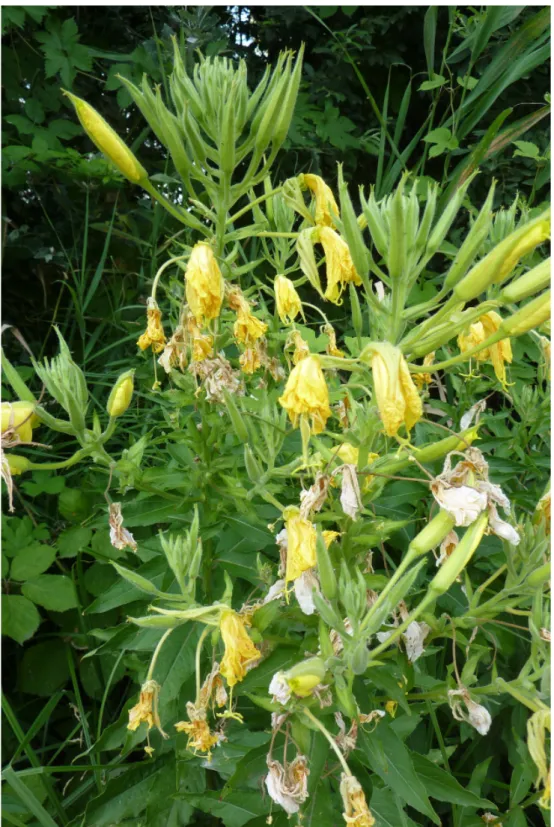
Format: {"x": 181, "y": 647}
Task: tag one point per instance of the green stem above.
{"x": 329, "y": 737}
{"x": 199, "y": 645}
{"x": 161, "y": 270}
{"x": 405, "y": 563}
{"x": 157, "y": 651}
{"x": 249, "y": 206}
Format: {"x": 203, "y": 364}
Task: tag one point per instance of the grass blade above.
{"x": 429, "y": 34}
{"x": 30, "y": 801}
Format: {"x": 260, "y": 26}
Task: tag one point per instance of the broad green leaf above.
{"x": 388, "y": 810}
{"x": 72, "y": 540}
{"x": 234, "y": 811}
{"x": 427, "y": 85}
{"x": 20, "y": 618}
{"x": 151, "y": 511}
{"x": 390, "y": 759}
{"x": 53, "y": 591}
{"x": 122, "y": 592}
{"x": 442, "y": 785}
{"x": 47, "y": 660}
{"x": 32, "y": 561}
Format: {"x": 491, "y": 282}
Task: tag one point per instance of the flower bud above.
{"x": 499, "y": 263}
{"x": 17, "y": 464}
{"x": 325, "y": 569}
{"x": 433, "y": 534}
{"x": 19, "y": 417}
{"x": 532, "y": 282}
{"x": 532, "y": 315}
{"x": 305, "y": 676}
{"x": 121, "y": 394}
{"x": 108, "y": 141}
{"x": 460, "y": 557}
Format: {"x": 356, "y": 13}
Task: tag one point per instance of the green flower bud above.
{"x": 325, "y": 569}
{"x": 121, "y": 394}
{"x": 459, "y": 558}
{"x": 532, "y": 282}
{"x": 433, "y": 534}
{"x": 305, "y": 676}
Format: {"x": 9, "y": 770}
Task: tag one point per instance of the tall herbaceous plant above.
{"x": 297, "y": 438}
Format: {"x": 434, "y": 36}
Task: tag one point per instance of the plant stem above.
{"x": 199, "y": 645}
{"x": 157, "y": 651}
{"x": 330, "y": 738}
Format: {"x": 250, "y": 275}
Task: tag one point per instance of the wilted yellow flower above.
{"x": 306, "y": 393}
{"x": 203, "y": 284}
{"x": 250, "y": 360}
{"x": 391, "y": 707}
{"x": 422, "y": 379}
{"x": 498, "y": 354}
{"x": 301, "y": 546}
{"x": 332, "y": 348}
{"x": 287, "y": 299}
{"x": 120, "y": 537}
{"x": 248, "y": 328}
{"x": 325, "y": 204}
{"x": 348, "y": 453}
{"x": 202, "y": 343}
{"x": 340, "y": 267}
{"x": 200, "y": 737}
{"x": 356, "y": 811}
{"x": 154, "y": 335}
{"x": 19, "y": 418}
{"x": 240, "y": 652}
{"x": 147, "y": 708}
{"x": 397, "y": 398}
{"x": 543, "y": 512}
{"x": 107, "y": 140}
{"x": 288, "y": 786}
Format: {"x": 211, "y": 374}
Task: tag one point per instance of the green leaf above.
{"x": 387, "y": 809}
{"x": 32, "y": 561}
{"x": 20, "y": 618}
{"x": 467, "y": 82}
{"x": 442, "y": 785}
{"x": 390, "y": 759}
{"x": 53, "y": 591}
{"x": 44, "y": 668}
{"x": 150, "y": 511}
{"x": 438, "y": 80}
{"x": 234, "y": 811}
{"x": 122, "y": 592}
{"x": 526, "y": 149}
{"x": 72, "y": 540}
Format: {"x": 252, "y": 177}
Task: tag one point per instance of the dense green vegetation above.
{"x": 412, "y": 102}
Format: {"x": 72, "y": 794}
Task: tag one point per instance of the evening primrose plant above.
{"x": 295, "y": 432}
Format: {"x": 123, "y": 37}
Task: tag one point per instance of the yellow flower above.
{"x": 288, "y": 300}
{"x": 248, "y": 328}
{"x": 301, "y": 546}
{"x": 330, "y": 537}
{"x": 147, "y": 708}
{"x": 537, "y": 727}
{"x": 397, "y": 398}
{"x": 17, "y": 465}
{"x": 203, "y": 284}
{"x": 332, "y": 348}
{"x": 391, "y": 707}
{"x": 154, "y": 335}
{"x": 422, "y": 379}
{"x": 498, "y": 354}
{"x": 19, "y": 417}
{"x": 303, "y": 678}
{"x": 325, "y": 203}
{"x": 306, "y": 393}
{"x": 348, "y": 453}
{"x": 340, "y": 268}
{"x": 240, "y": 652}
{"x": 107, "y": 140}
{"x": 356, "y": 811}
{"x": 200, "y": 737}
{"x": 250, "y": 360}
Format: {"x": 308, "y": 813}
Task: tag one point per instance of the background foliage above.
{"x": 80, "y": 250}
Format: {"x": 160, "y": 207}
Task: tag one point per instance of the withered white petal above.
{"x": 464, "y": 504}
{"x": 304, "y": 587}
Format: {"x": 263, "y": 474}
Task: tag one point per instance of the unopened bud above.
{"x": 532, "y": 282}
{"x": 108, "y": 141}
{"x": 305, "y": 676}
{"x": 460, "y": 557}
{"x": 121, "y": 394}
{"x": 532, "y": 315}
{"x": 433, "y": 534}
{"x": 17, "y": 464}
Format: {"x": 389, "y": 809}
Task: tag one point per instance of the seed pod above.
{"x": 356, "y": 310}
{"x": 360, "y": 658}
{"x": 536, "y": 279}
{"x": 396, "y": 254}
{"x": 351, "y": 230}
{"x": 345, "y": 698}
{"x": 325, "y": 570}
{"x": 253, "y": 467}
{"x": 539, "y": 576}
{"x": 433, "y": 534}
{"x": 459, "y": 558}
{"x": 325, "y": 645}
{"x": 228, "y": 136}
{"x": 237, "y": 419}
{"x": 108, "y": 141}
{"x": 375, "y": 223}
{"x": 121, "y": 394}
